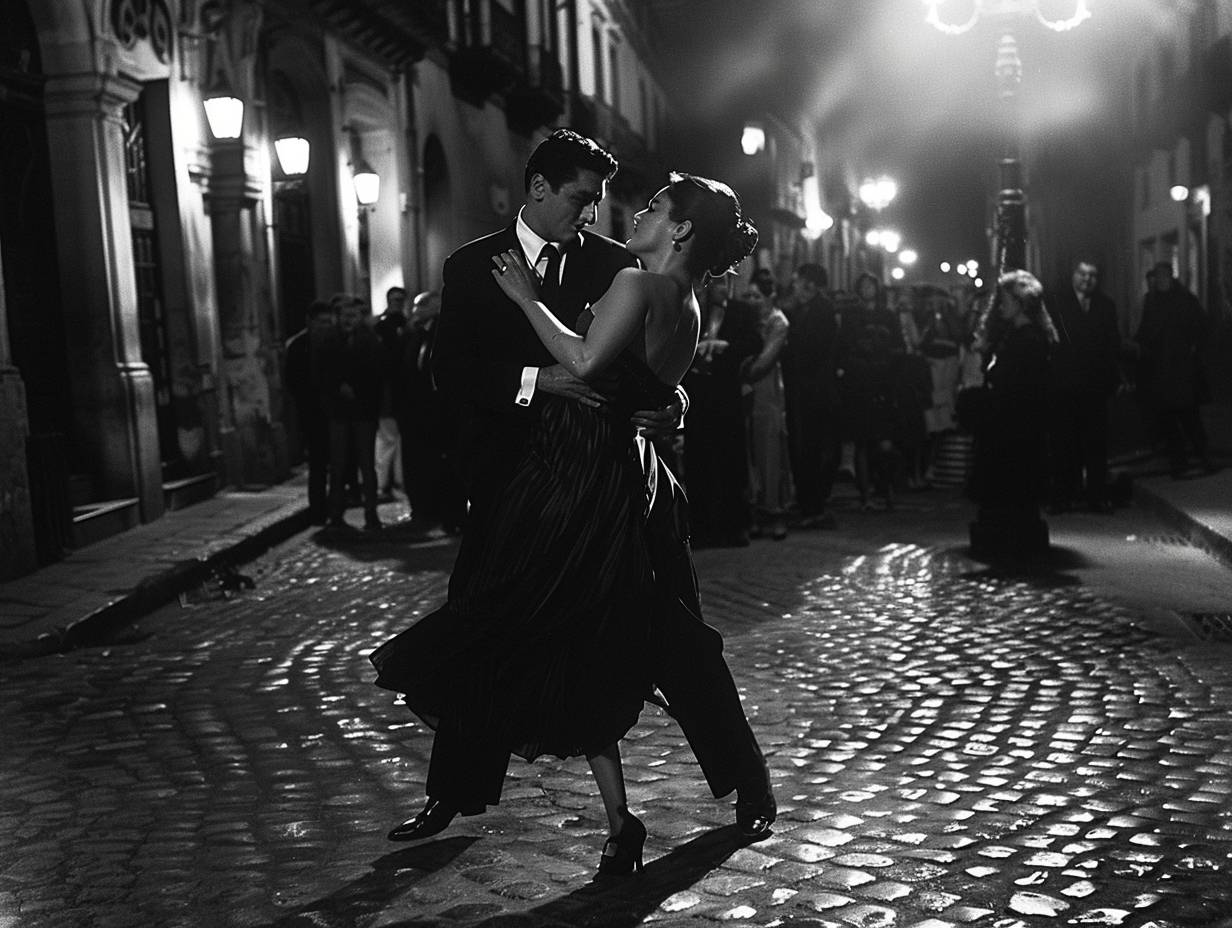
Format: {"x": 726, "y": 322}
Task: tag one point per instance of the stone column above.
{"x": 254, "y": 444}
{"x": 17, "y": 554}
{"x": 115, "y": 424}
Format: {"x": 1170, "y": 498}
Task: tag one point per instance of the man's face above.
{"x": 350, "y": 317}
{"x": 1085, "y": 279}
{"x": 1161, "y": 279}
{"x": 319, "y": 323}
{"x": 559, "y": 215}
{"x": 802, "y": 289}
{"x": 396, "y": 303}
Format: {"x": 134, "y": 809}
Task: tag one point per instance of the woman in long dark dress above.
{"x": 543, "y": 645}
{"x": 1010, "y": 472}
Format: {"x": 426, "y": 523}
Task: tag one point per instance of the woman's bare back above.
{"x": 672, "y": 322}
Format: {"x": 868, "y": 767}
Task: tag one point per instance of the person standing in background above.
{"x": 389, "y": 327}
{"x": 810, "y": 379}
{"x": 300, "y": 362}
{"x": 1084, "y": 375}
{"x": 350, "y": 388}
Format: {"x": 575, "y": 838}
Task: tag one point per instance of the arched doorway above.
{"x": 439, "y": 238}
{"x": 31, "y": 279}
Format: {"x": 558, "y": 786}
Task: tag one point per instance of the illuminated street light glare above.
{"x": 979, "y": 282}
{"x": 908, "y": 256}
{"x": 753, "y": 140}
{"x": 877, "y": 194}
{"x": 1180, "y": 193}
{"x": 1081, "y": 14}
{"x": 872, "y": 237}
{"x": 890, "y": 240}
{"x": 898, "y": 273}
{"x": 945, "y": 267}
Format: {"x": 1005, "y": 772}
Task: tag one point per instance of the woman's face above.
{"x": 867, "y": 291}
{"x": 1009, "y": 306}
{"x": 652, "y": 224}
{"x": 754, "y": 298}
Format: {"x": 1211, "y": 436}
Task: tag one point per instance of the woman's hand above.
{"x": 514, "y": 276}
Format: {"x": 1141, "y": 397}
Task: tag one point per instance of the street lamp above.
{"x": 367, "y": 183}
{"x": 1011, "y": 226}
{"x": 753, "y": 139}
{"x": 224, "y": 111}
{"x": 293, "y": 152}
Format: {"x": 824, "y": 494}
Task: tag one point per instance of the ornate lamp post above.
{"x": 1011, "y": 225}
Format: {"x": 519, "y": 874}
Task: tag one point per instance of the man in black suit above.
{"x": 1084, "y": 376}
{"x": 490, "y": 361}
{"x": 810, "y": 382}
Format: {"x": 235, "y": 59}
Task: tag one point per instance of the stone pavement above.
{"x": 100, "y": 588}
{"x": 951, "y": 745}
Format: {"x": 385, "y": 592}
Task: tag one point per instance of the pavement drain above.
{"x": 1210, "y": 626}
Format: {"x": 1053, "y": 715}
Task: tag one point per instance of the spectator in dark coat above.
{"x": 303, "y": 352}
{"x": 1085, "y": 374}
{"x": 809, "y": 364}
{"x": 429, "y": 426}
{"x": 349, "y": 384}
{"x": 1171, "y": 381}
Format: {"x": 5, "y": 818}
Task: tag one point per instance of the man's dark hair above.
{"x": 563, "y": 154}
{"x": 814, "y": 274}
{"x": 318, "y": 308}
{"x": 392, "y": 290}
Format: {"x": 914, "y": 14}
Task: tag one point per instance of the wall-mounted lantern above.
{"x": 367, "y": 183}
{"x": 753, "y": 139}
{"x": 293, "y": 152}
{"x": 224, "y": 111}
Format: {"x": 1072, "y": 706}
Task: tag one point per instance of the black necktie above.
{"x": 551, "y": 275}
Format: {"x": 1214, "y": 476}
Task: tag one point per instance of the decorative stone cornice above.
{"x": 88, "y": 93}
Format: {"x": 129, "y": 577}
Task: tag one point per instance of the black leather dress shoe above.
{"x": 431, "y": 820}
{"x": 755, "y": 811}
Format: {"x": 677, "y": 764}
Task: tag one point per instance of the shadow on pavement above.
{"x": 623, "y": 902}
{"x": 417, "y": 548}
{"x": 391, "y": 876}
{"x": 1050, "y": 569}
{"x": 619, "y": 902}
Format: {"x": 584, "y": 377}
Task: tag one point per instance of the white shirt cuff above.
{"x": 527, "y": 390}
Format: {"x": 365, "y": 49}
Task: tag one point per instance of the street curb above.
{"x": 1194, "y": 531}
{"x": 156, "y": 590}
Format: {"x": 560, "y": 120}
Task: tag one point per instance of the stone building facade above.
{"x": 152, "y": 270}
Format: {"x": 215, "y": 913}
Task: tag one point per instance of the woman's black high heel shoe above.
{"x": 623, "y": 853}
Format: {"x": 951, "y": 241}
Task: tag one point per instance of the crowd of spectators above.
{"x": 797, "y": 387}
{"x": 371, "y": 422}
{"x": 794, "y": 387}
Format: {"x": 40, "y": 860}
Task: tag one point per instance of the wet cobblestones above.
{"x": 949, "y": 746}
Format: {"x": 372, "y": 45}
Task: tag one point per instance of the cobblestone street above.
{"x": 950, "y": 746}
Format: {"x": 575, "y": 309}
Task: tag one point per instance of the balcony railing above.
{"x": 397, "y": 31}
{"x": 489, "y": 54}
{"x": 540, "y": 99}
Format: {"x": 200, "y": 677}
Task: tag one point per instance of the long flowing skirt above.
{"x": 541, "y": 647}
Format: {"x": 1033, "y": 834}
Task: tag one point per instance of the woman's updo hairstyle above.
{"x": 722, "y": 237}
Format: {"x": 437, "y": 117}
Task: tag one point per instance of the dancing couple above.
{"x": 574, "y": 596}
